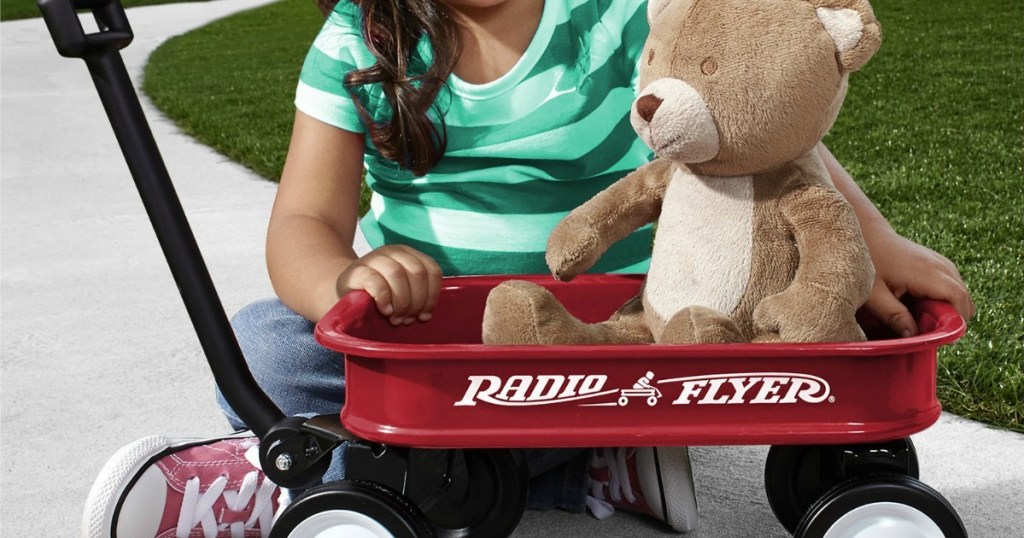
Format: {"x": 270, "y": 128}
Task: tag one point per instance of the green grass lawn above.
{"x": 26, "y": 9}
{"x": 231, "y": 84}
{"x": 933, "y": 130}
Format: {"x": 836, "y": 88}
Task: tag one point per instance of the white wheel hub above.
{"x": 339, "y": 524}
{"x": 884, "y": 520}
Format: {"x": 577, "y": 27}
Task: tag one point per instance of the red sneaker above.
{"x": 159, "y": 488}
{"x": 654, "y": 481}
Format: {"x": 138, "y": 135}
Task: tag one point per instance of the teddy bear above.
{"x": 753, "y": 242}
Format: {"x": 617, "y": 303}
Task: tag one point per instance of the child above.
{"x": 477, "y": 138}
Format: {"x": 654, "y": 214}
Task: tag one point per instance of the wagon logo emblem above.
{"x": 641, "y": 389}
{"x": 589, "y": 390}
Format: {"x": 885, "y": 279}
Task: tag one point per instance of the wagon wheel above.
{"x": 494, "y": 502}
{"x": 352, "y": 508}
{"x": 797, "y": 476}
{"x": 881, "y": 505}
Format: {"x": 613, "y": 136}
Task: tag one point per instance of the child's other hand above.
{"x": 403, "y": 282}
{"x": 903, "y": 266}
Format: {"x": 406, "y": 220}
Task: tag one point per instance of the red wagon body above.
{"x": 434, "y": 385}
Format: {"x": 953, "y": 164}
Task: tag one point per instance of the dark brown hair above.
{"x": 392, "y": 29}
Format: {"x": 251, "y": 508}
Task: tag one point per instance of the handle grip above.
{"x": 62, "y": 20}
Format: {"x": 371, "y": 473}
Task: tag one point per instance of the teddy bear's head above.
{"x": 735, "y": 87}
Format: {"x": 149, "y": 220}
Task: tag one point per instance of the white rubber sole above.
{"x": 115, "y": 477}
{"x": 677, "y": 487}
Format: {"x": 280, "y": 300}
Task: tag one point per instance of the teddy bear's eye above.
{"x": 650, "y": 56}
{"x": 708, "y": 66}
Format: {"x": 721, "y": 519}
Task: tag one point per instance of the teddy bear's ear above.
{"x": 655, "y": 7}
{"x": 853, "y": 28}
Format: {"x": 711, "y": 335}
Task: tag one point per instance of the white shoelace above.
{"x": 197, "y": 509}
{"x": 618, "y": 481}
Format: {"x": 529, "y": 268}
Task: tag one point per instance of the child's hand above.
{"x": 403, "y": 282}
{"x": 903, "y": 266}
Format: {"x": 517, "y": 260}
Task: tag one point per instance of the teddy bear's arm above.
{"x": 833, "y": 254}
{"x": 586, "y": 233}
{"x": 834, "y": 275}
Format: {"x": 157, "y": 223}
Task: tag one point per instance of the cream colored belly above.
{"x": 703, "y": 245}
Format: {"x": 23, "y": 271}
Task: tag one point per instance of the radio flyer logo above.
{"x": 590, "y": 390}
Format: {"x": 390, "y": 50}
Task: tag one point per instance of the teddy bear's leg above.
{"x": 700, "y": 325}
{"x": 520, "y": 312}
{"x": 790, "y": 317}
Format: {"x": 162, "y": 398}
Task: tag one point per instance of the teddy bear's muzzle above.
{"x": 673, "y": 120}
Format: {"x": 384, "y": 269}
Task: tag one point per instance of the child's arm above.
{"x": 901, "y": 266}
{"x": 312, "y": 227}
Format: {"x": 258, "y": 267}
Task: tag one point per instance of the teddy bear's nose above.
{"x": 647, "y": 105}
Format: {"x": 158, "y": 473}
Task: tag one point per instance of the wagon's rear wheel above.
{"x": 352, "y": 509}
{"x": 881, "y": 506}
{"x": 796, "y": 477}
{"x": 493, "y": 503}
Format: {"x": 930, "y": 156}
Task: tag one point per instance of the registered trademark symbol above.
{"x": 831, "y": 399}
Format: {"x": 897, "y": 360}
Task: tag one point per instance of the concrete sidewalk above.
{"x": 97, "y": 349}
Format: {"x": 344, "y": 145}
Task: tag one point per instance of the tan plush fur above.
{"x": 754, "y": 243}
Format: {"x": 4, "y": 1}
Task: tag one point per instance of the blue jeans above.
{"x": 304, "y": 378}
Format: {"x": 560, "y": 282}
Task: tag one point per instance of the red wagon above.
{"x": 839, "y": 416}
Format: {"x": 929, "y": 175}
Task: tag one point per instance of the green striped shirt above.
{"x": 522, "y": 150}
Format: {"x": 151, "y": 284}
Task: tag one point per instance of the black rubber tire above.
{"x": 795, "y": 477}
{"x": 382, "y": 504}
{"x": 863, "y": 492}
{"x": 793, "y": 481}
{"x": 499, "y": 481}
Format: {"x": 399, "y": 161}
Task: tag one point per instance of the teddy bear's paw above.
{"x": 837, "y": 328}
{"x": 573, "y": 247}
{"x": 827, "y": 329}
{"x": 791, "y": 317}
{"x": 851, "y": 332}
{"x": 700, "y": 325}
{"x": 510, "y": 315}
{"x": 520, "y": 312}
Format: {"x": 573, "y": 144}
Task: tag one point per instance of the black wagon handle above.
{"x": 101, "y": 52}
{"x": 62, "y": 20}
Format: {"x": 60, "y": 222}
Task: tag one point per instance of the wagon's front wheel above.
{"x": 881, "y": 506}
{"x": 795, "y": 477}
{"x": 351, "y": 509}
